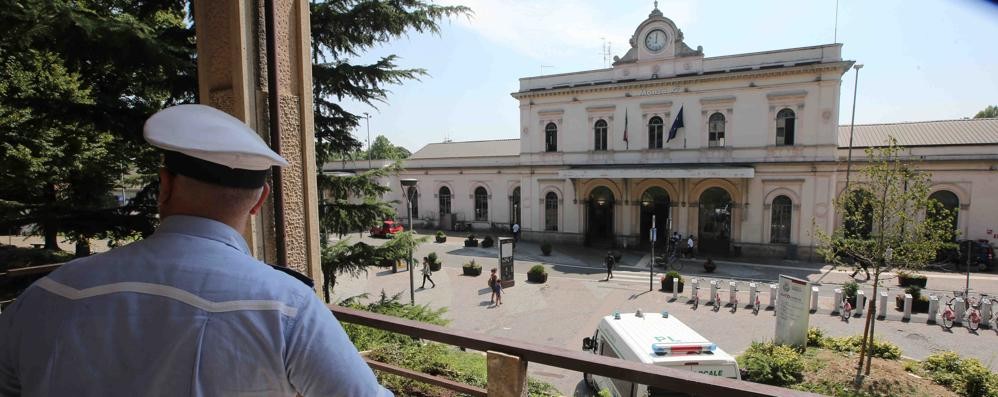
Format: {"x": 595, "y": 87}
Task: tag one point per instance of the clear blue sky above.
{"x": 924, "y": 60}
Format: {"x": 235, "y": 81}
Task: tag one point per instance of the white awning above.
{"x": 665, "y": 173}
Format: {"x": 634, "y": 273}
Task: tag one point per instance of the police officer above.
{"x": 186, "y": 311}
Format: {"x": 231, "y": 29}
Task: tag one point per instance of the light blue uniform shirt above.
{"x": 185, "y": 312}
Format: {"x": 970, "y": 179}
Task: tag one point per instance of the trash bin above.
{"x": 791, "y": 251}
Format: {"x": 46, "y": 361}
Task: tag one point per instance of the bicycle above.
{"x": 973, "y": 314}
{"x": 947, "y": 317}
{"x": 846, "y": 310}
{"x": 671, "y": 259}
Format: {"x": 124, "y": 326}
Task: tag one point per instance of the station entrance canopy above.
{"x": 687, "y": 172}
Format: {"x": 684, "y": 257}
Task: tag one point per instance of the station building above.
{"x": 742, "y": 151}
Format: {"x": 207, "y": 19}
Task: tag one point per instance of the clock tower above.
{"x": 657, "y": 39}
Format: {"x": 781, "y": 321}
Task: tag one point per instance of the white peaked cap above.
{"x": 211, "y": 135}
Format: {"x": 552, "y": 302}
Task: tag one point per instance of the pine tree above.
{"x": 78, "y": 80}
{"x": 341, "y": 31}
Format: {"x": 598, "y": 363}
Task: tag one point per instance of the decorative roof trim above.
{"x": 838, "y": 66}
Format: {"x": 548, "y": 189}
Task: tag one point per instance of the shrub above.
{"x": 471, "y": 268}
{"x": 674, "y": 275}
{"x": 604, "y": 393}
{"x": 881, "y": 348}
{"x": 915, "y": 291}
{"x": 546, "y": 248}
{"x": 772, "y": 364}
{"x": 472, "y": 265}
{"x": 849, "y": 289}
{"x": 472, "y": 241}
{"x": 815, "y": 337}
{"x": 967, "y": 377}
{"x": 440, "y": 233}
{"x": 537, "y": 269}
{"x": 487, "y": 242}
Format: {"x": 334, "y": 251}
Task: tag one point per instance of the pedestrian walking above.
{"x": 427, "y": 271}
{"x": 496, "y": 287}
{"x": 609, "y": 262}
{"x": 516, "y": 232}
{"x": 188, "y": 310}
{"x": 689, "y": 246}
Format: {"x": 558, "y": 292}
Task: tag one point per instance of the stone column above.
{"x": 232, "y": 76}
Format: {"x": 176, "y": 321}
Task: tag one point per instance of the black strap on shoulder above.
{"x": 298, "y": 276}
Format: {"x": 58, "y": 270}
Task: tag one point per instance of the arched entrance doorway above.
{"x": 714, "y": 221}
{"x": 655, "y": 201}
{"x": 599, "y": 225}
{"x": 951, "y": 204}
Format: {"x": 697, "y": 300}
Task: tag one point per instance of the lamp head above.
{"x": 409, "y": 182}
{"x": 857, "y": 66}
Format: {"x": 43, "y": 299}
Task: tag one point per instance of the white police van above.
{"x": 655, "y": 339}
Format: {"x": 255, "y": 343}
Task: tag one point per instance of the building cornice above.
{"x": 588, "y": 88}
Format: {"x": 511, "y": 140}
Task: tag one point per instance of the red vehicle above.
{"x": 387, "y": 229}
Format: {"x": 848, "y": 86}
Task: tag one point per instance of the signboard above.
{"x": 506, "y": 262}
{"x": 792, "y": 305}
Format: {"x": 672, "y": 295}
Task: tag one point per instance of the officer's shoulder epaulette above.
{"x": 298, "y": 276}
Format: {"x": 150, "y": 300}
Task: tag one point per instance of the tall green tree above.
{"x": 989, "y": 112}
{"x": 77, "y": 79}
{"x": 343, "y": 31}
{"x": 890, "y": 223}
{"x": 383, "y": 149}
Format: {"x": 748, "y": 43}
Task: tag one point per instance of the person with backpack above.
{"x": 496, "y": 287}
{"x": 609, "y": 262}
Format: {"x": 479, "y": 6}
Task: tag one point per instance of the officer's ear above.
{"x": 263, "y": 197}
{"x": 166, "y": 184}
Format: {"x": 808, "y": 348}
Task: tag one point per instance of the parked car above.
{"x": 387, "y": 229}
{"x": 980, "y": 257}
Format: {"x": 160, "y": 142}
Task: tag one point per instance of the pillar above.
{"x": 232, "y": 76}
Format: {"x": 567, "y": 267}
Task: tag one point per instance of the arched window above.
{"x": 779, "y": 229}
{"x": 551, "y": 211}
{"x": 948, "y": 202}
{"x": 444, "y": 196}
{"x": 599, "y": 137}
{"x": 551, "y": 138}
{"x": 414, "y": 201}
{"x": 785, "y": 122}
{"x": 715, "y": 134}
{"x": 655, "y": 133}
{"x": 481, "y": 204}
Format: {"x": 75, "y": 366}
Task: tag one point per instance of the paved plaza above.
{"x": 568, "y": 306}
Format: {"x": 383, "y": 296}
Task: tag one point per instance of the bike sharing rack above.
{"x": 907, "y": 308}
{"x": 732, "y": 292}
{"x": 959, "y": 307}
{"x": 772, "y": 297}
{"x": 985, "y": 312}
{"x": 814, "y": 298}
{"x": 753, "y": 289}
{"x": 933, "y": 308}
{"x": 838, "y": 301}
{"x": 713, "y": 292}
{"x": 860, "y": 303}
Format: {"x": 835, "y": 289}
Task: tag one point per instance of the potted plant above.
{"x": 472, "y": 241}
{"x": 441, "y": 237}
{"x": 907, "y": 279}
{"x": 919, "y": 303}
{"x": 546, "y": 248}
{"x": 488, "y": 242}
{"x": 537, "y": 274}
{"x": 849, "y": 290}
{"x": 435, "y": 263}
{"x": 709, "y": 266}
{"x": 471, "y": 268}
{"x": 671, "y": 280}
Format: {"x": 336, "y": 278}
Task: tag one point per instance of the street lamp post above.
{"x": 407, "y": 184}
{"x": 367, "y": 118}
{"x": 852, "y": 124}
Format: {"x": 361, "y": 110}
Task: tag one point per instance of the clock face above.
{"x": 655, "y": 40}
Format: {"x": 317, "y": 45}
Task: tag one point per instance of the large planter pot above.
{"x": 909, "y": 281}
{"x": 668, "y": 283}
{"x": 470, "y": 243}
{"x": 537, "y": 277}
{"x": 435, "y": 266}
{"x": 441, "y": 239}
{"x": 471, "y": 271}
{"x": 917, "y": 305}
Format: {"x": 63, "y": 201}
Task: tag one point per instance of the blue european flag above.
{"x": 676, "y": 125}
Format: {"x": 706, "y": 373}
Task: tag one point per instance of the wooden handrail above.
{"x": 663, "y": 377}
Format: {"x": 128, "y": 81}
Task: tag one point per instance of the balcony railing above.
{"x": 507, "y": 363}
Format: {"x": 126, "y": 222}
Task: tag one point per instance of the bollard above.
{"x": 837, "y": 306}
{"x": 814, "y": 299}
{"x": 732, "y": 292}
{"x": 753, "y": 291}
{"x": 695, "y": 284}
{"x": 907, "y": 308}
{"x": 959, "y": 307}
{"x": 772, "y": 295}
{"x": 882, "y": 306}
{"x": 713, "y": 291}
{"x": 986, "y": 312}
{"x": 860, "y": 302}
{"x": 675, "y": 291}
{"x": 933, "y": 308}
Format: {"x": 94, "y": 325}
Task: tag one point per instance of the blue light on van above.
{"x": 616, "y": 315}
{"x": 665, "y": 314}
